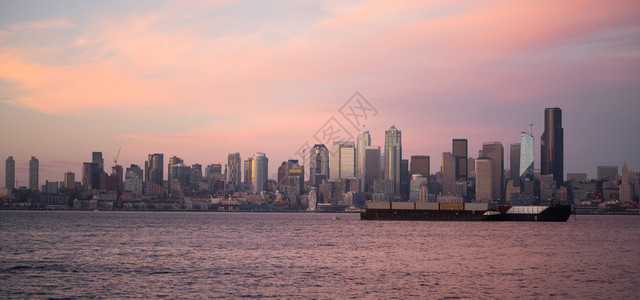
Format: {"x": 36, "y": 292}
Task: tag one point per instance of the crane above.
{"x": 115, "y": 159}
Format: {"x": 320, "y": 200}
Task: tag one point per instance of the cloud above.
{"x": 57, "y": 23}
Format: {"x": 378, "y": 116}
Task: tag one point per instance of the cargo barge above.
{"x": 432, "y": 211}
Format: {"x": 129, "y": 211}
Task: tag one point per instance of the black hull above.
{"x": 555, "y": 213}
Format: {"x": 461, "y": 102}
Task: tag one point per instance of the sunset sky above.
{"x": 201, "y": 79}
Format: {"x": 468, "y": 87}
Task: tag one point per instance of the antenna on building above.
{"x": 531, "y": 126}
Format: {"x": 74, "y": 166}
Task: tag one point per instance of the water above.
{"x": 287, "y": 255}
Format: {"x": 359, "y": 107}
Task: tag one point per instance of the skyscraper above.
{"x": 319, "y": 162}
{"x": 96, "y": 158}
{"x": 460, "y": 151}
{"x": 552, "y": 145}
{"x": 340, "y": 166}
{"x": 133, "y": 179}
{"x": 526, "y": 157}
{"x": 495, "y": 152}
{"x": 420, "y": 164}
{"x": 484, "y": 178}
{"x": 514, "y": 162}
{"x": 393, "y": 157}
{"x": 233, "y": 171}
{"x": 259, "y": 171}
{"x": 364, "y": 141}
{"x": 248, "y": 164}
{"x": 448, "y": 173}
{"x": 624, "y": 190}
{"x": 33, "y": 173}
{"x": 10, "y": 173}
{"x": 70, "y": 181}
{"x": 154, "y": 174}
{"x": 371, "y": 167}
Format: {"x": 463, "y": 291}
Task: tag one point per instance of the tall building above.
{"x": 364, "y": 141}
{"x": 133, "y": 179}
{"x": 212, "y": 169}
{"x": 33, "y": 173}
{"x": 171, "y": 174}
{"x": 526, "y": 157}
{"x": 448, "y": 173}
{"x": 196, "y": 173}
{"x": 342, "y": 162}
{"x": 420, "y": 164}
{"x": 248, "y": 164}
{"x": 319, "y": 164}
{"x": 484, "y": 178}
{"x": 371, "y": 167}
{"x": 552, "y": 145}
{"x": 607, "y": 173}
{"x": 259, "y": 171}
{"x": 154, "y": 174}
{"x": 624, "y": 189}
{"x": 460, "y": 151}
{"x": 393, "y": 157}
{"x": 10, "y": 173}
{"x": 514, "y": 162}
{"x": 405, "y": 179}
{"x": 233, "y": 171}
{"x": 89, "y": 176}
{"x": 291, "y": 177}
{"x": 495, "y": 151}
{"x": 69, "y": 180}
{"x": 96, "y": 158}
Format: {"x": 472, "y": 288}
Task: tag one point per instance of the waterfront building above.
{"x": 495, "y": 151}
{"x": 420, "y": 164}
{"x": 484, "y": 178}
{"x": 10, "y": 173}
{"x": 393, "y": 157}
{"x": 448, "y": 173}
{"x": 418, "y": 190}
{"x": 259, "y": 172}
{"x": 291, "y": 177}
{"x": 34, "y": 166}
{"x": 460, "y": 152}
{"x": 319, "y": 164}
{"x": 625, "y": 188}
{"x": 552, "y": 145}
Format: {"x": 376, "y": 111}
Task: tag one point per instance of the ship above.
{"x": 434, "y": 211}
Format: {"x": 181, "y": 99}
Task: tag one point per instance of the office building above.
{"x": 342, "y": 162}
{"x": 69, "y": 181}
{"x": 10, "y": 173}
{"x": 418, "y": 188}
{"x": 420, "y": 164}
{"x": 552, "y": 145}
{"x": 319, "y": 164}
{"x": 514, "y": 163}
{"x": 133, "y": 179}
{"x": 495, "y": 152}
{"x": 405, "y": 178}
{"x": 448, "y": 173}
{"x": 363, "y": 141}
{"x": 393, "y": 157}
{"x": 248, "y": 164}
{"x": 460, "y": 152}
{"x": 233, "y": 171}
{"x": 526, "y": 158}
{"x": 259, "y": 172}
{"x": 484, "y": 178}
{"x": 371, "y": 168}
{"x": 609, "y": 173}
{"x": 96, "y": 158}
{"x": 34, "y": 166}
{"x": 154, "y": 174}
{"x": 625, "y": 187}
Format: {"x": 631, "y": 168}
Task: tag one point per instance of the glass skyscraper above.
{"x": 526, "y": 157}
{"x": 393, "y": 157}
{"x": 552, "y": 145}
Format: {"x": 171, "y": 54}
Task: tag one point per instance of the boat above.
{"x": 335, "y": 218}
{"x": 434, "y": 211}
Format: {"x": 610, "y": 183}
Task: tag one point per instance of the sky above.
{"x": 201, "y": 79}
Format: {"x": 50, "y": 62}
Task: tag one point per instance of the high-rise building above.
{"x": 89, "y": 176}
{"x": 495, "y": 151}
{"x": 624, "y": 190}
{"x": 133, "y": 179}
{"x": 154, "y": 174}
{"x": 10, "y": 173}
{"x": 196, "y": 173}
{"x": 364, "y": 141}
{"x": 96, "y": 158}
{"x": 448, "y": 173}
{"x": 552, "y": 145}
{"x": 371, "y": 167}
{"x": 460, "y": 151}
{"x": 291, "y": 177}
{"x": 319, "y": 164}
{"x": 420, "y": 164}
{"x": 526, "y": 157}
{"x": 33, "y": 173}
{"x": 259, "y": 172}
{"x": 418, "y": 188}
{"x": 212, "y": 169}
{"x": 484, "y": 178}
{"x": 393, "y": 157}
{"x": 405, "y": 178}
{"x": 233, "y": 171}
{"x": 607, "y": 173}
{"x": 514, "y": 163}
{"x": 248, "y": 164}
{"x": 342, "y": 162}
{"x": 69, "y": 180}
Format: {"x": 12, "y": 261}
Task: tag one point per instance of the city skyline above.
{"x": 200, "y": 81}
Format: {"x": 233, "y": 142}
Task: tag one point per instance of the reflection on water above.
{"x": 288, "y": 255}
